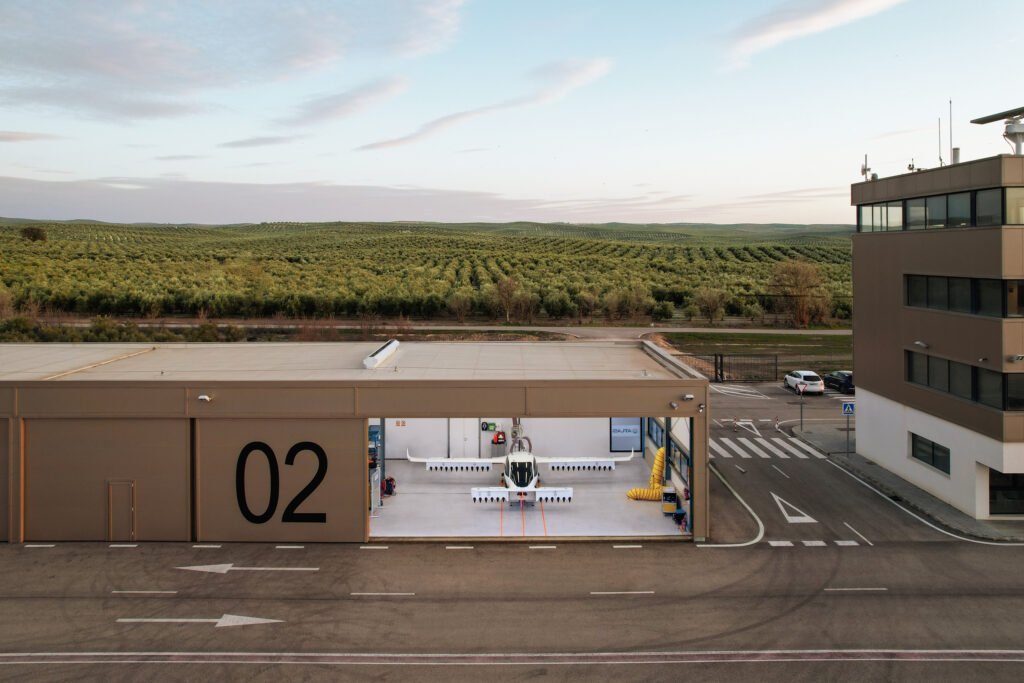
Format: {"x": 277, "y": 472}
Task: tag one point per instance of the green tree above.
{"x": 711, "y": 303}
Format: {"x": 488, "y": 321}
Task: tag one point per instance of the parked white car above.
{"x": 814, "y": 383}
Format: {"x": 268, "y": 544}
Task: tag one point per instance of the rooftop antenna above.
{"x": 940, "y": 142}
{"x": 1014, "y": 132}
{"x": 864, "y": 169}
{"x": 951, "y": 159}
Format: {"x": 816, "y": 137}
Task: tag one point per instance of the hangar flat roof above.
{"x": 334, "y": 361}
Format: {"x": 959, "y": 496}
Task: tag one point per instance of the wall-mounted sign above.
{"x": 625, "y": 434}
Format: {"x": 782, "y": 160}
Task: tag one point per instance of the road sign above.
{"x": 848, "y": 407}
{"x": 800, "y": 386}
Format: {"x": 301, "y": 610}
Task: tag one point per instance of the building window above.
{"x": 1005, "y": 493}
{"x": 989, "y": 388}
{"x": 958, "y": 210}
{"x": 979, "y": 296}
{"x": 894, "y": 216}
{"x": 960, "y": 294}
{"x": 1015, "y": 206}
{"x": 988, "y": 207}
{"x": 929, "y": 452}
{"x": 969, "y": 382}
{"x": 938, "y": 293}
{"x": 935, "y": 211}
{"x": 917, "y": 290}
{"x": 915, "y": 213}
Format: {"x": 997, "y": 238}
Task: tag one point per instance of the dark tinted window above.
{"x": 1005, "y": 493}
{"x": 1014, "y": 298}
{"x": 935, "y": 210}
{"x": 938, "y": 294}
{"x": 958, "y": 211}
{"x": 1015, "y": 391}
{"x": 960, "y": 380}
{"x": 917, "y": 290}
{"x": 988, "y": 207}
{"x": 1014, "y": 206}
{"x": 938, "y": 373}
{"x": 960, "y": 294}
{"x": 990, "y": 297}
{"x": 917, "y": 367}
{"x": 929, "y": 452}
{"x": 811, "y": 378}
{"x": 915, "y": 214}
{"x": 894, "y": 216}
{"x": 990, "y": 388}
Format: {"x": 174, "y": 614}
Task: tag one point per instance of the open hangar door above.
{"x": 584, "y": 469}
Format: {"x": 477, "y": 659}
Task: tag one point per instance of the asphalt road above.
{"x": 833, "y": 582}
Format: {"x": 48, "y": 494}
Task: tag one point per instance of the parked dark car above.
{"x": 841, "y": 381}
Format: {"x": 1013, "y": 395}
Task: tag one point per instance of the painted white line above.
{"x": 859, "y": 534}
{"x": 858, "y": 589}
{"x": 543, "y": 547}
{"x": 373, "y": 547}
{"x": 794, "y": 515}
{"x": 810, "y": 449}
{"x": 739, "y": 451}
{"x": 718, "y": 449}
{"x": 921, "y": 519}
{"x": 781, "y": 472}
{"x": 225, "y": 568}
{"x": 741, "y": 469}
{"x": 781, "y": 544}
{"x": 765, "y": 419}
{"x": 622, "y": 592}
{"x": 380, "y": 594}
{"x": 847, "y": 543}
{"x": 144, "y": 592}
{"x": 208, "y": 545}
{"x": 773, "y": 449}
{"x": 716, "y": 422}
{"x": 783, "y": 444}
{"x": 458, "y": 547}
{"x": 289, "y": 547}
{"x": 226, "y": 620}
{"x": 750, "y": 444}
{"x": 814, "y": 544}
{"x": 623, "y": 547}
{"x": 760, "y": 524}
{"x": 40, "y": 545}
{"x": 123, "y": 545}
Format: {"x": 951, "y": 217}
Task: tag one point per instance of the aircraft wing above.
{"x": 580, "y": 464}
{"x": 456, "y": 464}
{"x": 544, "y": 494}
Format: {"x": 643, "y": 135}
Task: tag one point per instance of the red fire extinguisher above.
{"x": 498, "y": 438}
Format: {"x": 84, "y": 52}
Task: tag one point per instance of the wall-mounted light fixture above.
{"x": 700, "y": 407}
{"x": 687, "y": 397}
{"x": 982, "y": 359}
{"x": 921, "y": 344}
{"x": 204, "y": 398}
{"x": 673, "y": 405}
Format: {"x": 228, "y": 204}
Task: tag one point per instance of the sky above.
{"x": 579, "y": 111}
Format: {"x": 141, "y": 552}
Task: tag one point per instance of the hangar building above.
{"x": 269, "y": 442}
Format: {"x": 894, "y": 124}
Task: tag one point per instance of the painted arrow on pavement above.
{"x": 225, "y": 568}
{"x": 225, "y": 620}
{"x": 794, "y": 515}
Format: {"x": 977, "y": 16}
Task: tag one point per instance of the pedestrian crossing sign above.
{"x": 847, "y": 408}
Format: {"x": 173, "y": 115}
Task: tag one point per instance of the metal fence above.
{"x": 735, "y": 367}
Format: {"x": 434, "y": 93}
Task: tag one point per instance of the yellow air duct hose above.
{"x": 657, "y": 474}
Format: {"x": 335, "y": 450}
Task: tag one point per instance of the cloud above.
{"x": 179, "y": 157}
{"x": 25, "y": 136}
{"x": 178, "y": 200}
{"x": 261, "y": 141}
{"x": 163, "y": 51}
{"x": 97, "y": 103}
{"x": 346, "y": 103}
{"x": 556, "y": 81}
{"x": 795, "y": 19}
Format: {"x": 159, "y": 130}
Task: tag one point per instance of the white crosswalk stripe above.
{"x": 811, "y": 544}
{"x": 747, "y": 442}
{"x": 814, "y": 544}
{"x": 739, "y": 451}
{"x": 809, "y": 449}
{"x": 718, "y": 449}
{"x": 782, "y": 443}
{"x": 781, "y": 544}
{"x": 847, "y": 543}
{"x": 773, "y": 449}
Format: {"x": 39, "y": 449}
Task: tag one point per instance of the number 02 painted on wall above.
{"x": 291, "y": 514}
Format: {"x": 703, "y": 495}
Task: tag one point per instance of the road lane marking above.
{"x": 381, "y": 594}
{"x": 543, "y": 547}
{"x": 752, "y": 446}
{"x": 739, "y": 451}
{"x": 373, "y": 547}
{"x": 814, "y": 544}
{"x": 748, "y": 425}
{"x": 921, "y": 519}
{"x": 789, "y": 448}
{"x": 859, "y": 534}
{"x": 718, "y": 449}
{"x": 865, "y": 588}
{"x": 773, "y": 449}
{"x": 40, "y": 545}
{"x": 781, "y": 472}
{"x": 760, "y": 524}
{"x": 781, "y": 544}
{"x": 847, "y": 543}
{"x": 623, "y": 547}
{"x": 622, "y": 592}
{"x": 810, "y": 449}
{"x": 458, "y": 547}
{"x": 741, "y": 469}
{"x": 797, "y": 516}
{"x": 208, "y": 545}
{"x": 225, "y": 568}
{"x": 123, "y": 545}
{"x": 289, "y": 547}
{"x": 225, "y": 620}
{"x": 144, "y": 592}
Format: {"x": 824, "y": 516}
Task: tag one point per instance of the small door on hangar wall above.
{"x": 281, "y": 480}
{"x": 121, "y": 510}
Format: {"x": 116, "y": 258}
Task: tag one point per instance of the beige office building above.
{"x": 938, "y": 282}
{"x": 268, "y": 442}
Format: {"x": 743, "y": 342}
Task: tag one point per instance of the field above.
{"x": 819, "y": 352}
{"x": 410, "y": 269}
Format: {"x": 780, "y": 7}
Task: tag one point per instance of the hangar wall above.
{"x": 5, "y": 487}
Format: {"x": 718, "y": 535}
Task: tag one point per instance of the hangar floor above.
{"x": 438, "y": 504}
